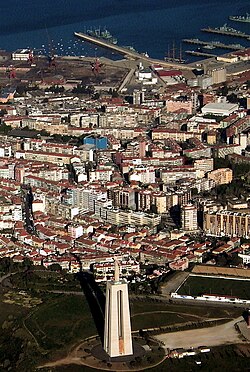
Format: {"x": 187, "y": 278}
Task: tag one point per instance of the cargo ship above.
{"x": 240, "y": 18}
{"x": 102, "y": 34}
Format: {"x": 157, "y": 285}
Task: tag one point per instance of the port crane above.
{"x": 96, "y": 66}
{"x": 51, "y": 54}
{"x": 31, "y": 57}
{"x": 11, "y": 72}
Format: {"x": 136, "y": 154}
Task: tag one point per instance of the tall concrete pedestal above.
{"x": 117, "y": 331}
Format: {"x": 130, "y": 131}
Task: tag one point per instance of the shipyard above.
{"x": 69, "y": 71}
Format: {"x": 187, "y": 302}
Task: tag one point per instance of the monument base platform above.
{"x": 146, "y": 353}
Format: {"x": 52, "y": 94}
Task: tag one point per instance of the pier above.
{"x": 224, "y": 32}
{"x": 216, "y": 44}
{"x": 130, "y": 54}
{"x": 200, "y": 54}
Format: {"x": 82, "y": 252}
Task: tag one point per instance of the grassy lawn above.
{"x": 9, "y": 310}
{"x": 158, "y": 319}
{"x": 200, "y": 285}
{"x": 151, "y": 314}
{"x": 61, "y": 322}
{"x": 56, "y": 323}
{"x": 47, "y": 280}
{"x": 143, "y": 305}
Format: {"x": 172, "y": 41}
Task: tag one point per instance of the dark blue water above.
{"x": 147, "y": 25}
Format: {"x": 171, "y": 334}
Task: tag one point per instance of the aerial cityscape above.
{"x": 125, "y": 186}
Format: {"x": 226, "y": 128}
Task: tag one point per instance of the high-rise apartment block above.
{"x": 221, "y": 176}
{"x": 227, "y": 223}
{"x": 189, "y": 220}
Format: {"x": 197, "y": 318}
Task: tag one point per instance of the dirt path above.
{"x": 168, "y": 312}
{"x": 66, "y": 361}
{"x": 212, "y": 336}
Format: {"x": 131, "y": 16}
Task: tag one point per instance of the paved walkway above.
{"x": 244, "y": 330}
{"x": 172, "y": 284}
{"x": 211, "y": 336}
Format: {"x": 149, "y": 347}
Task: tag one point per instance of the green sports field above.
{"x": 197, "y": 285}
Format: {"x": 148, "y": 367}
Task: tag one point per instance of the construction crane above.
{"x": 51, "y": 54}
{"x": 31, "y": 58}
{"x": 11, "y": 72}
{"x": 96, "y": 66}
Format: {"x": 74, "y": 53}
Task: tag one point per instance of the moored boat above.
{"x": 102, "y": 34}
{"x": 240, "y": 18}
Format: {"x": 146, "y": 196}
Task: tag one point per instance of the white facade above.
{"x": 5, "y": 151}
{"x": 21, "y": 55}
{"x": 245, "y": 257}
{"x": 144, "y": 74}
{"x": 189, "y": 218}
{"x": 17, "y": 213}
{"x": 75, "y": 231}
{"x": 143, "y": 174}
{"x": 38, "y": 205}
{"x": 220, "y": 108}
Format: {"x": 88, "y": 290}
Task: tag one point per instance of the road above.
{"x": 167, "y": 298}
{"x": 211, "y": 336}
{"x": 2, "y": 278}
{"x": 174, "y": 283}
{"x": 126, "y": 80}
{"x": 75, "y": 293}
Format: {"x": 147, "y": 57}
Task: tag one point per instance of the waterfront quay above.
{"x": 224, "y": 32}
{"x": 216, "y": 44}
{"x": 200, "y": 54}
{"x": 130, "y": 54}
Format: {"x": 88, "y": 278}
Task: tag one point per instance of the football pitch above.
{"x": 197, "y": 285}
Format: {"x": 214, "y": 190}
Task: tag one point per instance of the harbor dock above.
{"x": 128, "y": 53}
{"x": 200, "y": 54}
{"x": 216, "y": 44}
{"x": 222, "y": 31}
